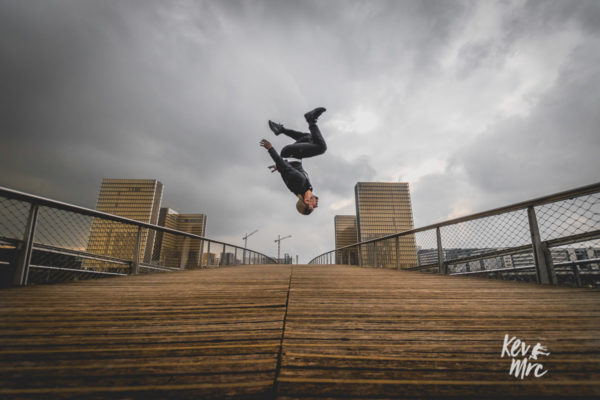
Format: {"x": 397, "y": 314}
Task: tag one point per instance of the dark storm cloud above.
{"x": 557, "y": 143}
{"x": 181, "y": 91}
{"x": 105, "y": 87}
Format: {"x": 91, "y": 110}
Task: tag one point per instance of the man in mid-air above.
{"x": 289, "y": 163}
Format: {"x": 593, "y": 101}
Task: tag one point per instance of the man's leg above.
{"x": 278, "y": 129}
{"x": 297, "y": 136}
{"x": 314, "y": 147}
{"x": 317, "y": 138}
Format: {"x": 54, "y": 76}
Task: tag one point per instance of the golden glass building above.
{"x": 137, "y": 199}
{"x": 384, "y": 208}
{"x": 345, "y": 235}
{"x": 175, "y": 250}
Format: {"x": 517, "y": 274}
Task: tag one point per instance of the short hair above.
{"x": 302, "y": 207}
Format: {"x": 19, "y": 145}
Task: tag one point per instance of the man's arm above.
{"x": 280, "y": 164}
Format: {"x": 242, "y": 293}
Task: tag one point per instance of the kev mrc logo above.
{"x": 522, "y": 355}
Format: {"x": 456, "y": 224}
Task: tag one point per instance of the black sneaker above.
{"x": 276, "y": 128}
{"x": 311, "y": 116}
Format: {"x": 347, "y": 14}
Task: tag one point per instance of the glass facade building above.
{"x": 137, "y": 199}
{"x": 384, "y": 208}
{"x": 177, "y": 251}
{"x": 346, "y": 234}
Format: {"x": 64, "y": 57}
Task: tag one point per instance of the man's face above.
{"x": 313, "y": 202}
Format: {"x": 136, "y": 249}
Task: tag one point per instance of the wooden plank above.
{"x": 350, "y": 332}
{"x": 194, "y": 334}
{"x": 355, "y": 332}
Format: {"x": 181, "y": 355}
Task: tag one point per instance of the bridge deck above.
{"x": 297, "y": 332}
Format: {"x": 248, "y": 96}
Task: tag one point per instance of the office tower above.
{"x": 384, "y": 208}
{"x": 209, "y": 259}
{"x": 175, "y": 250}
{"x": 345, "y": 235}
{"x": 228, "y": 258}
{"x": 137, "y": 199}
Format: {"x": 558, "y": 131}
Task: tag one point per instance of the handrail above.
{"x": 24, "y": 246}
{"x": 42, "y": 201}
{"x": 563, "y": 222}
{"x": 583, "y": 190}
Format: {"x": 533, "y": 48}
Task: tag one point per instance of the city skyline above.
{"x": 475, "y": 104}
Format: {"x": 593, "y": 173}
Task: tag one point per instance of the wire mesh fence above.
{"x": 44, "y": 241}
{"x": 554, "y": 239}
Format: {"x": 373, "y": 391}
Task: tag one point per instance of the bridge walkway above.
{"x": 294, "y": 332}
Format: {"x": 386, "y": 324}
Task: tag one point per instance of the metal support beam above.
{"x": 360, "y": 263}
{"x": 24, "y": 259}
{"x": 222, "y": 261}
{"x": 542, "y": 256}
{"x": 442, "y": 265}
{"x": 185, "y": 250}
{"x": 135, "y": 263}
{"x": 208, "y": 255}
{"x": 577, "y": 275}
{"x": 201, "y": 253}
{"x": 398, "y": 252}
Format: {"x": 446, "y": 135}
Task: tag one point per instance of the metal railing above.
{"x": 44, "y": 241}
{"x": 553, "y": 239}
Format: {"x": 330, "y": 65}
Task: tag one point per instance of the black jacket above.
{"x": 292, "y": 173}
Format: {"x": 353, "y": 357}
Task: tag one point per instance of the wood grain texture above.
{"x": 374, "y": 333}
{"x": 208, "y": 333}
{"x": 350, "y": 332}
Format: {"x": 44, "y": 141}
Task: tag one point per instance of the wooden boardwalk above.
{"x": 294, "y": 332}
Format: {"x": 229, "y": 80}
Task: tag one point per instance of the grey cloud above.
{"x": 181, "y": 91}
{"x": 556, "y": 144}
{"x": 435, "y": 196}
{"x": 334, "y": 175}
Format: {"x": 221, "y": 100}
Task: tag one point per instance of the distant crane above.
{"x": 245, "y": 239}
{"x": 278, "y": 241}
{"x": 246, "y": 236}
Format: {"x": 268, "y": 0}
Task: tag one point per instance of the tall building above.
{"x": 175, "y": 250}
{"x": 137, "y": 199}
{"x": 345, "y": 235}
{"x": 384, "y": 208}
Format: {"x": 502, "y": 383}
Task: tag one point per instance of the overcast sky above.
{"x": 477, "y": 104}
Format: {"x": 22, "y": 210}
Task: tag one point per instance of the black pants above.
{"x": 307, "y": 144}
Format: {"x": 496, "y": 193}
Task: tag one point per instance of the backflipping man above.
{"x": 306, "y": 145}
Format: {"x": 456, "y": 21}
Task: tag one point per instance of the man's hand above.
{"x": 266, "y": 144}
{"x": 272, "y": 168}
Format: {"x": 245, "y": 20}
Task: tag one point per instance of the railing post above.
{"x": 208, "y": 255}
{"x": 135, "y": 263}
{"x": 398, "y": 252}
{"x": 22, "y": 271}
{"x": 442, "y": 265}
{"x": 235, "y": 256}
{"x": 543, "y": 259}
{"x": 360, "y": 263}
{"x": 376, "y": 255}
{"x": 222, "y": 262}
{"x": 201, "y": 253}
{"x": 576, "y": 274}
{"x": 183, "y": 257}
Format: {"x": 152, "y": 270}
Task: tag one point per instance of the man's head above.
{"x": 305, "y": 207}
